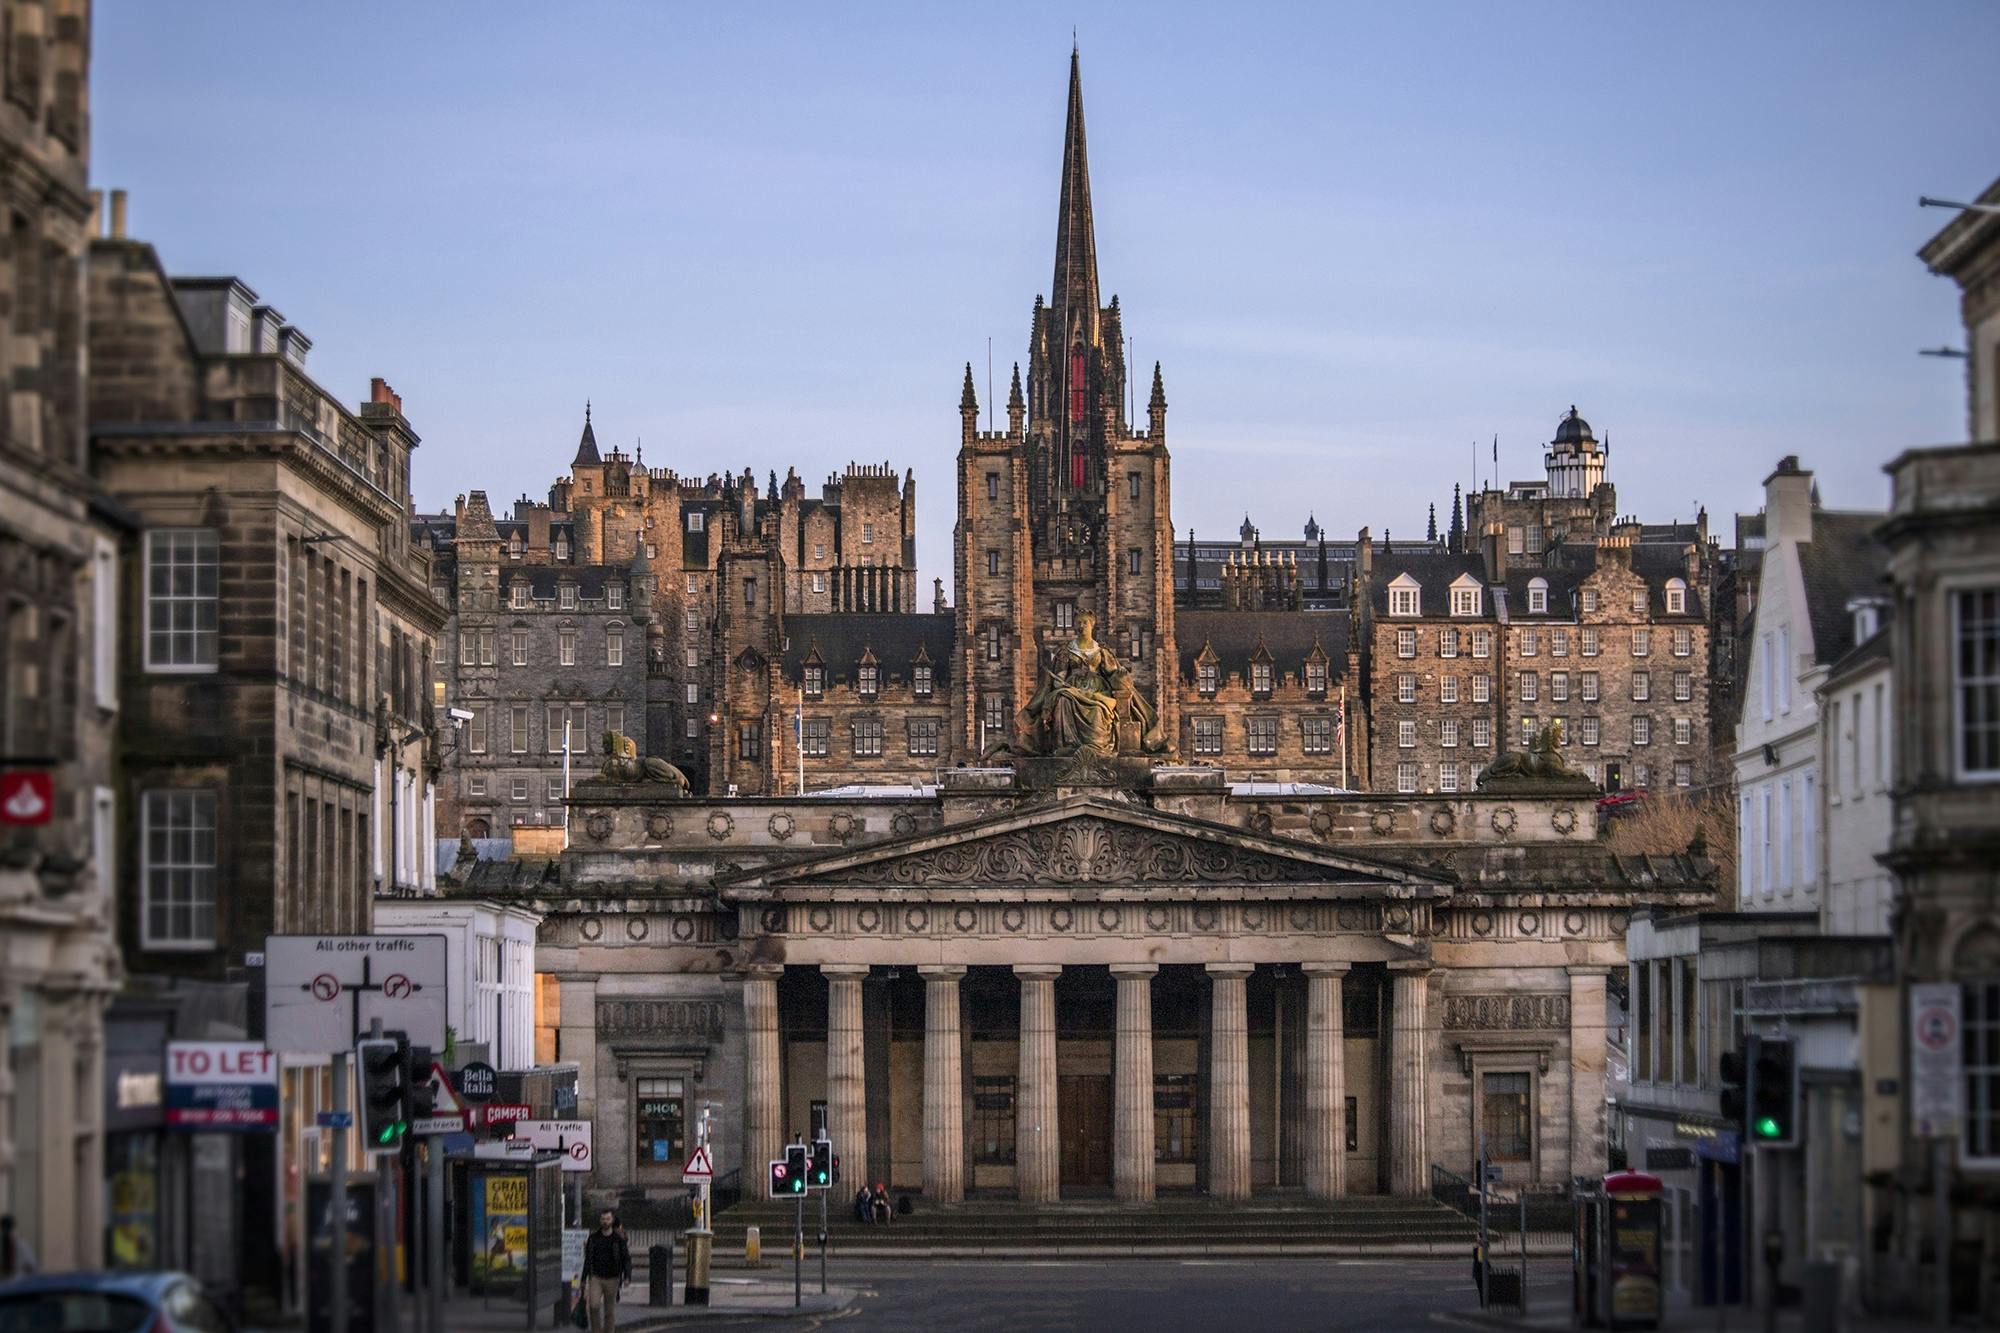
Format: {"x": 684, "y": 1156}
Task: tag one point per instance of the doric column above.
{"x": 944, "y": 1087}
{"x": 1228, "y": 1084}
{"x": 1326, "y": 1083}
{"x": 1586, "y": 1070}
{"x": 1037, "y": 1142}
{"x": 764, "y": 1116}
{"x": 846, "y": 1073}
{"x": 1132, "y": 1098}
{"x": 1409, "y": 1049}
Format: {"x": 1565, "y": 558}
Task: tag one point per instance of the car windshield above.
{"x": 71, "y": 1312}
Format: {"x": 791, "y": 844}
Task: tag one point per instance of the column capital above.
{"x": 1038, "y": 971}
{"x": 941, "y": 971}
{"x": 1412, "y": 967}
{"x": 1134, "y": 971}
{"x": 1588, "y": 969}
{"x": 843, "y": 969}
{"x": 1230, "y": 969}
{"x": 1326, "y": 969}
{"x": 762, "y": 971}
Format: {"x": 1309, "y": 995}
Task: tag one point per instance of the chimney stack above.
{"x": 118, "y": 215}
{"x": 97, "y": 213}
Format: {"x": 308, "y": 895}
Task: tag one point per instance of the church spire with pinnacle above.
{"x": 1431, "y": 535}
{"x": 586, "y": 446}
{"x": 1457, "y": 520}
{"x": 1073, "y": 293}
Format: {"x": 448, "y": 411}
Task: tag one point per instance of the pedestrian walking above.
{"x": 607, "y": 1267}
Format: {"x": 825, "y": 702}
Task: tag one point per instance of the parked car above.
{"x": 110, "y": 1303}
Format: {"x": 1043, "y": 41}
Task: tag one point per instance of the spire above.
{"x": 586, "y": 448}
{"x": 1073, "y": 293}
{"x": 968, "y": 401}
{"x": 1457, "y": 520}
{"x": 1432, "y": 535}
{"x": 1159, "y": 399}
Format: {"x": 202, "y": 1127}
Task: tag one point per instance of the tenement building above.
{"x": 278, "y": 749}
{"x": 59, "y": 553}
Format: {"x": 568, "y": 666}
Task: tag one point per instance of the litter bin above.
{"x": 660, "y": 1274}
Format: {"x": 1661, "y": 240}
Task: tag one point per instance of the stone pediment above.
{"x": 1090, "y": 842}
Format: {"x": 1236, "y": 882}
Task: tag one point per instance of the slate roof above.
{"x": 840, "y": 638}
{"x": 1841, "y": 562}
{"x": 1435, "y": 571}
{"x": 1235, "y": 636}
{"x": 1873, "y": 649}
{"x": 545, "y": 580}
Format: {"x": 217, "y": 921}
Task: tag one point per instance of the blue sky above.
{"x": 1359, "y": 237}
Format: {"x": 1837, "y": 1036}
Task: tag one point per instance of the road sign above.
{"x": 1937, "y": 1060}
{"x": 478, "y": 1081}
{"x": 571, "y": 1138}
{"x": 438, "y": 1124}
{"x": 221, "y": 1085}
{"x": 700, "y": 1166}
{"x": 443, "y": 1100}
{"x": 322, "y": 991}
{"x": 334, "y": 1120}
{"x": 27, "y": 796}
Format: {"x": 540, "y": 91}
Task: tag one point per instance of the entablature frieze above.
{"x": 1036, "y": 919}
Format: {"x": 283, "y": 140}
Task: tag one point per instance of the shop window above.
{"x": 661, "y": 1117}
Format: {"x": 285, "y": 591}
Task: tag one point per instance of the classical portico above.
{"x": 1123, "y": 987}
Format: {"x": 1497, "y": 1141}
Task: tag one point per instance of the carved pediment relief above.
{"x": 1088, "y": 842}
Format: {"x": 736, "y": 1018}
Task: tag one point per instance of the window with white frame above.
{"x": 1587, "y": 640}
{"x": 518, "y": 729}
{"x": 1642, "y": 686}
{"x": 614, "y": 597}
{"x": 566, "y": 597}
{"x": 1448, "y": 733}
{"x": 614, "y": 646}
{"x": 1208, "y": 735}
{"x": 1065, "y": 614}
{"x": 1559, "y": 686}
{"x": 1975, "y": 677}
{"x": 1448, "y": 777}
{"x": 475, "y": 786}
{"x": 1448, "y": 689}
{"x": 1405, "y": 601}
{"x": 695, "y": 520}
{"x": 518, "y": 653}
{"x": 554, "y": 787}
{"x": 868, "y": 680}
{"x": 1677, "y": 596}
{"x": 517, "y": 590}
{"x": 183, "y": 599}
{"x": 815, "y": 680}
{"x": 1642, "y": 774}
{"x": 1482, "y": 643}
{"x": 1534, "y": 539}
{"x": 922, "y": 737}
{"x": 1315, "y": 678}
{"x": 566, "y": 647}
{"x": 1406, "y": 687}
{"x": 614, "y": 720}
{"x": 867, "y": 534}
{"x": 1531, "y": 644}
{"x": 816, "y": 737}
{"x": 1448, "y": 641}
{"x": 1642, "y": 642}
{"x": 1465, "y": 601}
{"x": 1529, "y": 726}
{"x": 692, "y": 694}
{"x": 1638, "y": 601}
{"x": 1683, "y": 686}
{"x": 1516, "y": 541}
{"x": 1406, "y": 776}
{"x": 1558, "y": 643}
{"x": 1683, "y": 641}
{"x": 178, "y": 863}
{"x": 1683, "y": 731}
{"x": 1590, "y": 599}
{"x": 1482, "y": 733}
{"x": 920, "y": 680}
{"x": 1406, "y": 734}
{"x": 1587, "y": 729}
{"x": 1530, "y": 687}
{"x": 1406, "y": 643}
{"x": 867, "y": 737}
{"x": 1205, "y": 677}
{"x": 819, "y": 582}
{"x": 1260, "y": 678}
{"x": 1538, "y": 595}
{"x": 1587, "y": 687}
{"x": 1642, "y": 729}
{"x": 996, "y": 713}
{"x": 1482, "y": 688}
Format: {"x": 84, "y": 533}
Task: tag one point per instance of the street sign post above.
{"x": 1937, "y": 1101}
{"x": 571, "y": 1138}
{"x": 321, "y": 992}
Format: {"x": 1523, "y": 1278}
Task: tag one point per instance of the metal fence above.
{"x": 1549, "y": 1205}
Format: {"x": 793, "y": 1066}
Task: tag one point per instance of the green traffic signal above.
{"x": 1768, "y": 1128}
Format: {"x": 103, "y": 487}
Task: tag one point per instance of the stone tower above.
{"x": 1068, "y": 510}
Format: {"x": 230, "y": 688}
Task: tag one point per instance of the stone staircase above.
{"x": 1274, "y": 1224}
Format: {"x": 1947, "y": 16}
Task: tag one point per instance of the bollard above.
{"x": 753, "y": 1245}
{"x": 698, "y": 1243}
{"x": 660, "y": 1274}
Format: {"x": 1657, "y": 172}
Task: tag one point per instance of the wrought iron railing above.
{"x": 1549, "y": 1204}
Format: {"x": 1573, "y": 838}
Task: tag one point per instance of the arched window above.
{"x": 1677, "y": 596}
{"x": 1538, "y": 595}
{"x": 1079, "y": 373}
{"x": 478, "y": 828}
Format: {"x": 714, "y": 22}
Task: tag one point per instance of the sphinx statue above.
{"x": 1541, "y": 763}
{"x": 622, "y": 764}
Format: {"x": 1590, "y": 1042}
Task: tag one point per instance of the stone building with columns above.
{"x": 1113, "y": 979}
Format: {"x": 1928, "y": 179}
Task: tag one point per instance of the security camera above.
{"x": 459, "y": 716}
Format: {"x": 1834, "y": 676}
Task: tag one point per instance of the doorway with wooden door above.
{"x": 1083, "y": 1111}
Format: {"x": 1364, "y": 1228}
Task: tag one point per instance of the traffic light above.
{"x": 384, "y": 1093}
{"x": 781, "y": 1180}
{"x": 788, "y": 1173}
{"x": 1735, "y": 1097}
{"x": 423, "y": 1094}
{"x": 819, "y": 1171}
{"x": 1774, "y": 1092}
{"x": 836, "y": 1168}
{"x": 798, "y": 1159}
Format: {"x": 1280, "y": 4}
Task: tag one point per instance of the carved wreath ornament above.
{"x": 1092, "y": 851}
{"x": 1503, "y": 820}
{"x": 1564, "y": 821}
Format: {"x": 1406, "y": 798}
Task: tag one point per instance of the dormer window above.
{"x": 614, "y": 597}
{"x": 516, "y": 548}
{"x": 867, "y": 680}
{"x": 1205, "y": 678}
{"x": 695, "y": 519}
{"x": 1538, "y": 596}
{"x": 1867, "y": 619}
{"x": 562, "y": 548}
{"x": 566, "y": 597}
{"x": 1405, "y": 596}
{"x": 519, "y": 588}
{"x": 815, "y": 680}
{"x": 1465, "y": 601}
{"x": 920, "y": 680}
{"x": 1260, "y": 678}
{"x": 1677, "y": 597}
{"x": 1316, "y": 678}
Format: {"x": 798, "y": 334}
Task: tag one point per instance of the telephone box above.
{"x": 1616, "y": 1252}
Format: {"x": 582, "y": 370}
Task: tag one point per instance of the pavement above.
{"x": 1682, "y": 1317}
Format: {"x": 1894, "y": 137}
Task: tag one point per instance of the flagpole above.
{"x": 565, "y": 777}
{"x": 799, "y": 736}
{"x": 1343, "y": 735}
